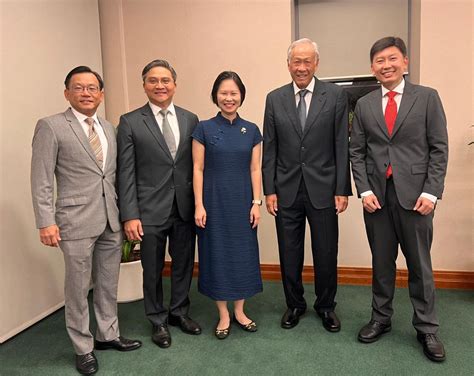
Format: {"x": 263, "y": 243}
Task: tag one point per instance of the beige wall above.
{"x": 40, "y": 42}
{"x": 446, "y": 63}
{"x": 202, "y": 38}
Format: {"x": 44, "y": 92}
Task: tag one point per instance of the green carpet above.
{"x": 45, "y": 349}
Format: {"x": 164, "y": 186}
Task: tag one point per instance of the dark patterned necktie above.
{"x": 302, "y": 108}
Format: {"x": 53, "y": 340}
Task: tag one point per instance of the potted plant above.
{"x": 130, "y": 284}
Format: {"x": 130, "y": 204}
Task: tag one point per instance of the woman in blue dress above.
{"x": 227, "y": 187}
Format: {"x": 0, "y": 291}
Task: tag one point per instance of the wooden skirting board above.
{"x": 363, "y": 276}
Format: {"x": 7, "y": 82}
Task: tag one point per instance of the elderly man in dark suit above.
{"x": 399, "y": 155}
{"x": 306, "y": 176}
{"x": 155, "y": 183}
{"x": 79, "y": 149}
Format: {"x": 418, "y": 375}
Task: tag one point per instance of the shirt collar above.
{"x": 310, "y": 87}
{"x": 81, "y": 117}
{"x": 156, "y": 110}
{"x": 398, "y": 89}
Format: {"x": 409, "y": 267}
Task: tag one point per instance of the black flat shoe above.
{"x": 330, "y": 321}
{"x": 250, "y": 327}
{"x": 432, "y": 347}
{"x": 222, "y": 333}
{"x": 120, "y": 344}
{"x": 87, "y": 364}
{"x": 291, "y": 317}
{"x": 372, "y": 331}
{"x": 186, "y": 323}
{"x": 161, "y": 336}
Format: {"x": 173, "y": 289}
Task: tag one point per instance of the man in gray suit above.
{"x": 399, "y": 155}
{"x": 306, "y": 176}
{"x": 79, "y": 149}
{"x": 156, "y": 200}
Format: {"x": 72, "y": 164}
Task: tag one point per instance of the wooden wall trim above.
{"x": 363, "y": 276}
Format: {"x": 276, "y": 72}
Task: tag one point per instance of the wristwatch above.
{"x": 258, "y": 202}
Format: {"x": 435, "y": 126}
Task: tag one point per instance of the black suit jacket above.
{"x": 148, "y": 177}
{"x": 417, "y": 148}
{"x": 319, "y": 154}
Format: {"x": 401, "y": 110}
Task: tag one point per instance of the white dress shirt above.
{"x": 172, "y": 120}
{"x": 307, "y": 97}
{"x": 398, "y": 99}
{"x": 98, "y": 129}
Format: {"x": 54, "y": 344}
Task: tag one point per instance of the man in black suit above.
{"x": 155, "y": 173}
{"x": 306, "y": 176}
{"x": 399, "y": 155}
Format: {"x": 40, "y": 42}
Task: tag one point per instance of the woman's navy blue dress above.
{"x": 229, "y": 267}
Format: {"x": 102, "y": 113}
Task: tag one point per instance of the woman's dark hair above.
{"x": 228, "y": 75}
{"x": 387, "y": 42}
{"x": 83, "y": 69}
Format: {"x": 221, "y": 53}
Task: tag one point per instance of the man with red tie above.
{"x": 399, "y": 155}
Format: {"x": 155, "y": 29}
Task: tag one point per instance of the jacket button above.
{"x": 303, "y": 164}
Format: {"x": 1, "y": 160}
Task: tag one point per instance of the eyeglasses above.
{"x": 155, "y": 81}
{"x": 92, "y": 89}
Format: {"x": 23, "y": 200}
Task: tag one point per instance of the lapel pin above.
{"x": 243, "y": 130}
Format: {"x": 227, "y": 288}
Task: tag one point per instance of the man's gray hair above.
{"x": 302, "y": 41}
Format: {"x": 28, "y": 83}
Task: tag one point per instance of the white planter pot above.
{"x": 130, "y": 284}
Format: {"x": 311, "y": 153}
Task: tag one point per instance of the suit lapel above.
{"x": 81, "y": 135}
{"x": 408, "y": 100}
{"x": 289, "y": 105}
{"x": 110, "y": 136}
{"x": 150, "y": 122}
{"x": 317, "y": 103}
{"x": 183, "y": 127}
{"x": 376, "y": 107}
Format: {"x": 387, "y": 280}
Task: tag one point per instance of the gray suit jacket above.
{"x": 320, "y": 153}
{"x": 148, "y": 177}
{"x": 86, "y": 198}
{"x": 417, "y": 148}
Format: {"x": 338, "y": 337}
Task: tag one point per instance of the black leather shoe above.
{"x": 372, "y": 331}
{"x": 186, "y": 324}
{"x": 161, "y": 336}
{"x": 87, "y": 364}
{"x": 330, "y": 321}
{"x": 432, "y": 347}
{"x": 120, "y": 344}
{"x": 250, "y": 327}
{"x": 291, "y": 317}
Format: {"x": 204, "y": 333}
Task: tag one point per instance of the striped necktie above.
{"x": 94, "y": 140}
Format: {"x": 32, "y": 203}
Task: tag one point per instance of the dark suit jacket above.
{"x": 319, "y": 154}
{"x": 148, "y": 177}
{"x": 417, "y": 149}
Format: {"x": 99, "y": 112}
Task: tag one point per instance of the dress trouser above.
{"x": 100, "y": 257}
{"x": 386, "y": 229}
{"x": 291, "y": 225}
{"x": 182, "y": 236}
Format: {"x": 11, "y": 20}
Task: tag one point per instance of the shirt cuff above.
{"x": 430, "y": 197}
{"x": 366, "y": 193}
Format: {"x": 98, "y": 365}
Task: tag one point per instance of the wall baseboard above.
{"x": 363, "y": 276}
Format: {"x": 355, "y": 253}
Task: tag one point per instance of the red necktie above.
{"x": 390, "y": 117}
